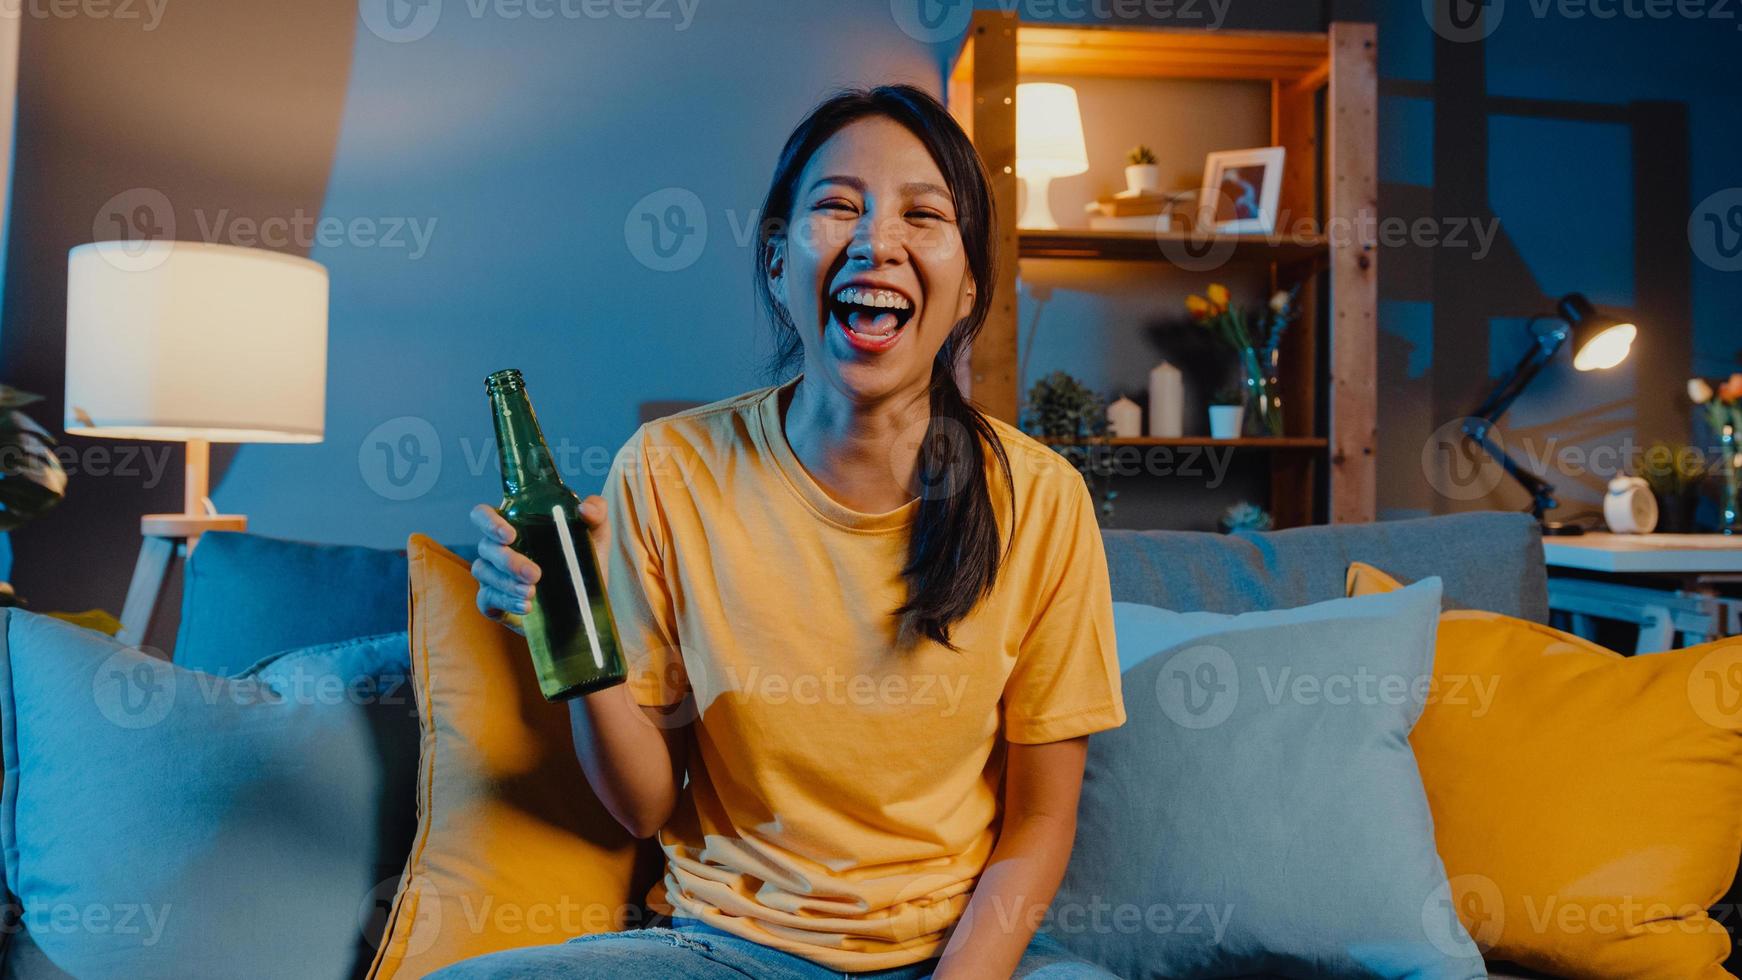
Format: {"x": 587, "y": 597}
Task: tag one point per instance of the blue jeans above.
{"x": 690, "y": 950}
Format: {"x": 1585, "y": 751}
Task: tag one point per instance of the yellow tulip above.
{"x": 1218, "y": 294}
{"x": 1198, "y": 307}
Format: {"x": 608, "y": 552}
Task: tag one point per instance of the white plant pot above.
{"x": 1143, "y": 178}
{"x": 1225, "y": 421}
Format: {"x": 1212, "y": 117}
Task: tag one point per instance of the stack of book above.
{"x": 1142, "y": 211}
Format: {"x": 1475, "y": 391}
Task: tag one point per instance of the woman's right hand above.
{"x": 505, "y": 576}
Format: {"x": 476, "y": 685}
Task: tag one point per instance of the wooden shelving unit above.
{"x": 1303, "y": 443}
{"x": 1161, "y": 246}
{"x": 1323, "y": 107}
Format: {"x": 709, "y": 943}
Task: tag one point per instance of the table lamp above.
{"x": 1049, "y": 143}
{"x": 1599, "y": 342}
{"x": 194, "y": 343}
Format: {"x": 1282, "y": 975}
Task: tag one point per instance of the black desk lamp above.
{"x": 1599, "y": 343}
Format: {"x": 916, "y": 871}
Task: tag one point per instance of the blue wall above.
{"x": 528, "y": 146}
{"x": 515, "y": 157}
{"x": 1564, "y": 176}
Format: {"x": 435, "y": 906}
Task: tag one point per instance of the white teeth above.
{"x": 880, "y": 298}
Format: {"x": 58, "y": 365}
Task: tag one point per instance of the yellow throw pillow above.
{"x": 1587, "y": 806}
{"x": 512, "y": 848}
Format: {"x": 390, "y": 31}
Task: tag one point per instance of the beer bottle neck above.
{"x": 526, "y": 460}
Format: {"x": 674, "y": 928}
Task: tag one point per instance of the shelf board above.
{"x": 1285, "y": 56}
{"x": 1244, "y": 442}
{"x": 1164, "y": 246}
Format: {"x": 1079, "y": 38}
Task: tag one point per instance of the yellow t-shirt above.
{"x": 843, "y": 797}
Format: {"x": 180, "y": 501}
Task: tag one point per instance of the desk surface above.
{"x": 1645, "y": 553}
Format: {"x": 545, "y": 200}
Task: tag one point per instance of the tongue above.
{"x": 879, "y": 325}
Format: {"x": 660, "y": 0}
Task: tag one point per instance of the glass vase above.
{"x": 1729, "y": 509}
{"x": 1263, "y": 405}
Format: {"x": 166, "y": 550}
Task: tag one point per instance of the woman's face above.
{"x": 872, "y": 270}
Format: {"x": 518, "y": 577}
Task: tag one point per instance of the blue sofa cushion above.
{"x": 1260, "y": 812}
{"x": 158, "y": 822}
{"x": 246, "y": 596}
{"x": 1490, "y": 561}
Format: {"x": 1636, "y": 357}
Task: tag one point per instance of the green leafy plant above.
{"x": 32, "y": 479}
{"x": 1062, "y": 410}
{"x": 1672, "y": 471}
{"x": 1140, "y": 155}
{"x": 1229, "y": 394}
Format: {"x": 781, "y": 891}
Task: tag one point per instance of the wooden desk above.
{"x": 1666, "y": 584}
{"x": 1646, "y": 554}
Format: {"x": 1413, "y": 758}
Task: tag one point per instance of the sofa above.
{"x": 247, "y": 594}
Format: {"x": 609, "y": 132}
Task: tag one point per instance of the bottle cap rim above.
{"x": 507, "y": 377}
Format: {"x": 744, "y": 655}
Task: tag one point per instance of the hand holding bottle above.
{"x": 506, "y": 578}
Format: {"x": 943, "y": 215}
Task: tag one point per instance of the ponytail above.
{"x": 953, "y": 553}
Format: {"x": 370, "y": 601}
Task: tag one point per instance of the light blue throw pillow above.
{"x": 159, "y": 822}
{"x": 248, "y": 596}
{"x": 1260, "y": 812}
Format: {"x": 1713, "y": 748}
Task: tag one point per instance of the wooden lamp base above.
{"x": 167, "y": 537}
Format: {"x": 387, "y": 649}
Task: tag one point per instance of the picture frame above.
{"x": 1240, "y": 190}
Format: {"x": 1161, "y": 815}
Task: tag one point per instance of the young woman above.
{"x": 868, "y": 627}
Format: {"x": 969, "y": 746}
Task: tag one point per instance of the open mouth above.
{"x": 871, "y": 316}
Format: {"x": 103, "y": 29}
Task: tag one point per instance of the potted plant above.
{"x": 1675, "y": 475}
{"x": 31, "y": 476}
{"x": 1073, "y": 418}
{"x": 1227, "y": 412}
{"x": 1142, "y": 175}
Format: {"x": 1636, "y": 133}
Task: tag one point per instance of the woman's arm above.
{"x": 1041, "y": 783}
{"x": 633, "y": 756}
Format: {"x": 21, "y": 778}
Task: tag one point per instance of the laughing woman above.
{"x": 869, "y": 629}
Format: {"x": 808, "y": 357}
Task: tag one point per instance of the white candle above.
{"x": 1124, "y": 419}
{"x": 1167, "y": 399}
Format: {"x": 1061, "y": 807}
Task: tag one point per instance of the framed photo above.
{"x": 1240, "y": 190}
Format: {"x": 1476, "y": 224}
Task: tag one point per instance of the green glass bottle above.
{"x": 569, "y": 627}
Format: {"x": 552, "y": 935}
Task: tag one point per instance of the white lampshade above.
{"x": 1049, "y": 131}
{"x": 187, "y": 341}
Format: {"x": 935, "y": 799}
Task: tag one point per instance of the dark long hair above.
{"x": 953, "y": 553}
